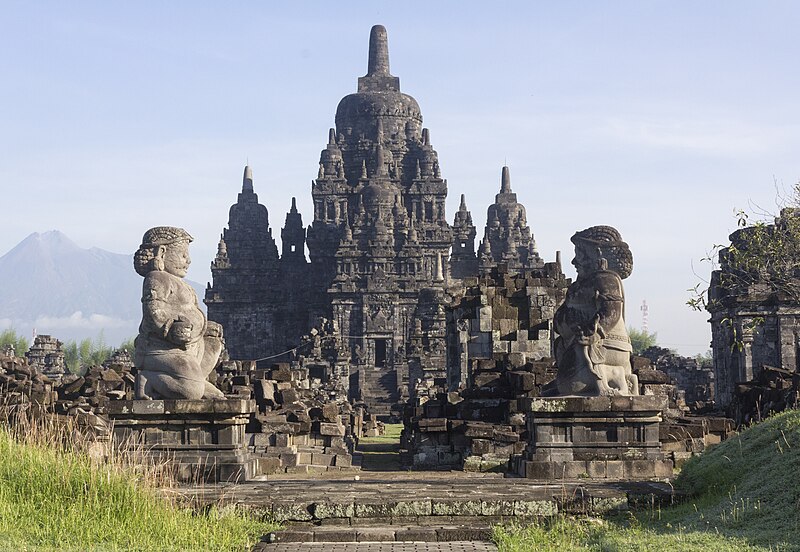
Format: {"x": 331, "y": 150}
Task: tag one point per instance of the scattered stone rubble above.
{"x": 682, "y": 431}
{"x": 85, "y": 397}
{"x": 477, "y": 428}
{"x": 20, "y": 383}
{"x": 302, "y": 425}
{"x": 499, "y": 343}
{"x": 772, "y": 390}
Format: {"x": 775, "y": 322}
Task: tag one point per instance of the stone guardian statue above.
{"x": 593, "y": 349}
{"x": 177, "y": 348}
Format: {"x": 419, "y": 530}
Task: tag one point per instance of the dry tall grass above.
{"x": 64, "y": 487}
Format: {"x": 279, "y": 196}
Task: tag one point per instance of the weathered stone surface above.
{"x": 507, "y": 238}
{"x": 201, "y": 440}
{"x": 611, "y": 437}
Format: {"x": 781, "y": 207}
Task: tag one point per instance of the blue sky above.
{"x": 658, "y": 118}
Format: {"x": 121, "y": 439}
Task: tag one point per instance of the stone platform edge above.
{"x": 146, "y": 407}
{"x": 575, "y": 404}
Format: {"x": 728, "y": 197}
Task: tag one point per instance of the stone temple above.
{"x": 382, "y": 255}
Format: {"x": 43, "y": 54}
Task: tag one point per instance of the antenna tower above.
{"x": 645, "y": 311}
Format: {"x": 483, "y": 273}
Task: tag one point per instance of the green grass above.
{"x": 581, "y": 534}
{"x": 745, "y": 496}
{"x": 382, "y": 453}
{"x": 391, "y": 433}
{"x": 56, "y": 499}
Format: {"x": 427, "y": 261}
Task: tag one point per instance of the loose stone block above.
{"x": 535, "y": 508}
{"x": 457, "y": 508}
{"x": 331, "y": 429}
{"x": 326, "y": 510}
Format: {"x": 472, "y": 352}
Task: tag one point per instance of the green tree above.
{"x": 79, "y": 356}
{"x": 642, "y": 340}
{"x": 126, "y": 345}
{"x": 9, "y": 337}
{"x": 72, "y": 358}
{"x": 705, "y": 359}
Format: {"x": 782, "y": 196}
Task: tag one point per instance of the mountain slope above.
{"x": 50, "y": 283}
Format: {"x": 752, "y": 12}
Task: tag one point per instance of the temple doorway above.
{"x": 380, "y": 353}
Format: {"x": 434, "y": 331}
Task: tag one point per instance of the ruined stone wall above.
{"x": 755, "y": 307}
{"x": 697, "y": 382}
{"x": 503, "y": 313}
{"x": 499, "y": 348}
{"x": 303, "y": 424}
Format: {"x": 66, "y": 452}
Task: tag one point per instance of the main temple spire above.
{"x": 505, "y": 181}
{"x": 247, "y": 179}
{"x": 378, "y": 78}
{"x": 378, "y": 52}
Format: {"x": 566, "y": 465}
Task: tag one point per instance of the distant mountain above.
{"x": 49, "y": 283}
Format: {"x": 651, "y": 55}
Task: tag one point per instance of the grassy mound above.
{"x": 56, "y": 499}
{"x": 749, "y": 486}
{"x": 745, "y": 496}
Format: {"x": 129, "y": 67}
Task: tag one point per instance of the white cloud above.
{"x": 78, "y": 321}
{"x": 708, "y": 137}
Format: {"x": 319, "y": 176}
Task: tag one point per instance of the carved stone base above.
{"x": 593, "y": 438}
{"x": 203, "y": 440}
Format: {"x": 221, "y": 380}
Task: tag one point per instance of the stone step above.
{"x": 380, "y": 533}
{"x": 453, "y": 546}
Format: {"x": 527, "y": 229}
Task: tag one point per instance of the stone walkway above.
{"x": 378, "y": 547}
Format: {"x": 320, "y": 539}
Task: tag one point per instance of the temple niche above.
{"x": 380, "y": 268}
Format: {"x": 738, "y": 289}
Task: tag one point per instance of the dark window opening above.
{"x": 428, "y": 211}
{"x": 380, "y": 353}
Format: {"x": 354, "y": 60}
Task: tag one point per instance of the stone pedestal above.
{"x": 203, "y": 439}
{"x": 593, "y": 438}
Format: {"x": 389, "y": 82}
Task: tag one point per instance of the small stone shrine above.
{"x": 47, "y": 356}
{"x": 178, "y": 415}
{"x": 596, "y": 425}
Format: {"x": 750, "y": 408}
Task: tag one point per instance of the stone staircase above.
{"x": 379, "y": 532}
{"x": 380, "y": 393}
{"x": 401, "y": 507}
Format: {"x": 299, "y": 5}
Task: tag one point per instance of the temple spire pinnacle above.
{"x": 463, "y": 206}
{"x": 332, "y": 137}
{"x": 378, "y": 78}
{"x": 505, "y": 181}
{"x": 378, "y": 52}
{"x": 247, "y": 179}
{"x": 294, "y": 206}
